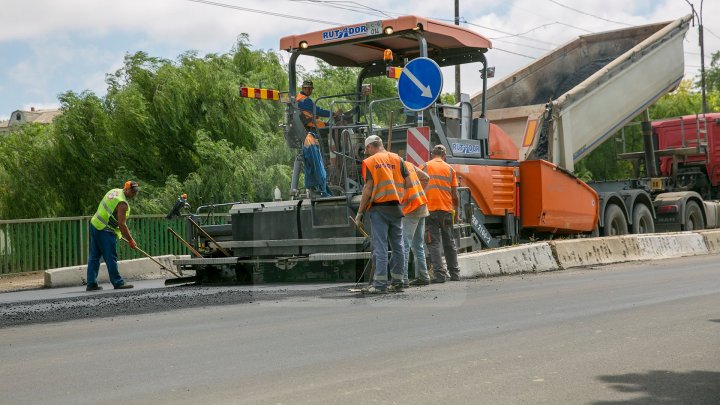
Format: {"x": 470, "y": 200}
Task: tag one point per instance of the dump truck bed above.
{"x": 565, "y": 104}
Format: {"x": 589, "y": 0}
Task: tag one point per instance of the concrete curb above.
{"x": 594, "y": 251}
{"x": 528, "y": 258}
{"x": 565, "y": 254}
{"x": 712, "y": 240}
{"x": 666, "y": 245}
{"x": 135, "y": 269}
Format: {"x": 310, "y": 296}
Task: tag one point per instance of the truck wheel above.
{"x": 642, "y": 220}
{"x": 694, "y": 220}
{"x": 615, "y": 223}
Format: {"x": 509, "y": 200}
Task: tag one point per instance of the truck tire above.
{"x": 642, "y": 220}
{"x": 615, "y": 223}
{"x": 694, "y": 220}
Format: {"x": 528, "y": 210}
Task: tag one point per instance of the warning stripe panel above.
{"x": 394, "y": 72}
{"x": 418, "y": 145}
{"x": 262, "y": 94}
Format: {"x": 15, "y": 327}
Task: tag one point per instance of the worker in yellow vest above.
{"x": 442, "y": 203}
{"x": 413, "y": 225}
{"x": 386, "y": 178}
{"x": 106, "y": 227}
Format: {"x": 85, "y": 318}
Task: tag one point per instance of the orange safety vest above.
{"x": 442, "y": 180}
{"x": 415, "y": 195}
{"x": 388, "y": 182}
{"x": 306, "y": 116}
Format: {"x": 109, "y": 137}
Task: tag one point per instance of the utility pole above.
{"x": 702, "y": 53}
{"x": 457, "y": 67}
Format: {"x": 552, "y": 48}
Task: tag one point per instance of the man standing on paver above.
{"x": 386, "y": 178}
{"x": 106, "y": 227}
{"x": 442, "y": 202}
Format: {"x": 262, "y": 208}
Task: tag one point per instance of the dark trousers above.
{"x": 439, "y": 226}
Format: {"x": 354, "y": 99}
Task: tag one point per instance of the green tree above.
{"x": 24, "y": 190}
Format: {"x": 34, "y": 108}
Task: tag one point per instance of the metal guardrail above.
{"x": 48, "y": 243}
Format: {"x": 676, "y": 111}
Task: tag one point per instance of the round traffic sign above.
{"x": 420, "y": 84}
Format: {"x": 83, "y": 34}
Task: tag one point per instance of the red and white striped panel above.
{"x": 418, "y": 145}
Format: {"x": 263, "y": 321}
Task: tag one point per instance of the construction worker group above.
{"x": 402, "y": 201}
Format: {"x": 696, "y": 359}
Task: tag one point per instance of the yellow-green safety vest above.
{"x": 105, "y": 215}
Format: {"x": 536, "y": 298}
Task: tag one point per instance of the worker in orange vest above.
{"x": 413, "y": 225}
{"x": 442, "y": 203}
{"x": 386, "y": 179}
{"x": 308, "y": 108}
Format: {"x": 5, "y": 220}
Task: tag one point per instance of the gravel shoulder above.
{"x": 22, "y": 281}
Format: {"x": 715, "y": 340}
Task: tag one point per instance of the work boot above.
{"x": 372, "y": 290}
{"x": 438, "y": 280}
{"x": 395, "y": 288}
{"x": 418, "y": 282}
{"x": 454, "y": 277}
{"x": 93, "y": 287}
{"x": 123, "y": 286}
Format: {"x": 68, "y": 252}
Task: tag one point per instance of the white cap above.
{"x": 372, "y": 138}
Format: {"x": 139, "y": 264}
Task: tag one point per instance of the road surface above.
{"x": 623, "y": 334}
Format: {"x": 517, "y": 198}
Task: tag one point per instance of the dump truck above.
{"x": 512, "y": 145}
{"x": 568, "y": 102}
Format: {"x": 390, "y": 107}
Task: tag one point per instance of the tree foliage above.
{"x": 174, "y": 126}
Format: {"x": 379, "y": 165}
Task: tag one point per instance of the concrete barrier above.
{"x": 528, "y": 258}
{"x": 712, "y": 240}
{"x": 668, "y": 245}
{"x": 135, "y": 269}
{"x": 594, "y": 251}
{"x": 616, "y": 249}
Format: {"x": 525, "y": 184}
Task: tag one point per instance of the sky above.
{"x": 48, "y": 47}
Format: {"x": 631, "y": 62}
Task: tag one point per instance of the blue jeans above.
{"x": 413, "y": 234}
{"x": 103, "y": 244}
{"x": 386, "y": 227}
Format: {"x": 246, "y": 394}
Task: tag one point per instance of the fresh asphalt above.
{"x": 147, "y": 296}
{"x": 635, "y": 333}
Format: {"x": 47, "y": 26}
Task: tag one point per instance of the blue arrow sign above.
{"x": 420, "y": 84}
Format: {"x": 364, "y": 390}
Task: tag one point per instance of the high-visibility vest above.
{"x": 388, "y": 182}
{"x": 306, "y": 116}
{"x": 415, "y": 195}
{"x": 439, "y": 189}
{"x": 104, "y": 217}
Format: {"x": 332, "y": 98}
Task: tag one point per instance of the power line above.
{"x": 588, "y": 14}
{"x": 252, "y": 10}
{"x": 506, "y": 33}
{"x": 348, "y": 5}
{"x": 537, "y": 28}
{"x": 514, "y": 53}
{"x": 708, "y": 30}
{"x": 523, "y": 45}
{"x": 361, "y": 8}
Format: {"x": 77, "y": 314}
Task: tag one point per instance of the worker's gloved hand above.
{"x": 359, "y": 217}
{"x": 133, "y": 245}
